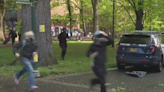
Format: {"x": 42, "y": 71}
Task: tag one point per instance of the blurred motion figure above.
{"x": 97, "y": 51}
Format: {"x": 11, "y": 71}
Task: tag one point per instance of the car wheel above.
{"x": 159, "y": 66}
{"x": 120, "y": 67}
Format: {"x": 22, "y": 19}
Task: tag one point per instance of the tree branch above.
{"x": 127, "y": 12}
{"x": 92, "y": 4}
{"x": 134, "y": 4}
{"x": 76, "y": 5}
{"x": 131, "y": 4}
{"x": 144, "y": 17}
{"x": 4, "y": 11}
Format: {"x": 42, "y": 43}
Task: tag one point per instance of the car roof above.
{"x": 137, "y": 34}
{"x": 148, "y": 33}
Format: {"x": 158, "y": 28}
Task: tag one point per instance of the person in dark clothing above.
{"x": 28, "y": 49}
{"x": 63, "y": 42}
{"x": 97, "y": 51}
{"x": 12, "y": 34}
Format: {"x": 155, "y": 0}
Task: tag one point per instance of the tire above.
{"x": 120, "y": 67}
{"x": 159, "y": 66}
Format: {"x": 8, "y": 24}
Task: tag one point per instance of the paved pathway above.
{"x": 152, "y": 82}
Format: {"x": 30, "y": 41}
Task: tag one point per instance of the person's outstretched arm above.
{"x": 91, "y": 53}
{"x": 10, "y": 33}
{"x": 17, "y": 47}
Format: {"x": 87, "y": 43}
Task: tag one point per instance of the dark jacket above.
{"x": 101, "y": 58}
{"x": 63, "y": 38}
{"x": 13, "y": 34}
{"x": 27, "y": 50}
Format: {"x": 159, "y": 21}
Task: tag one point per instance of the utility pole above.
{"x": 32, "y": 3}
{"x": 35, "y": 64}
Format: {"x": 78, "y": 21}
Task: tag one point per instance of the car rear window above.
{"x": 136, "y": 39}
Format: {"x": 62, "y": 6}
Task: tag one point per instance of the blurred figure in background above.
{"x": 63, "y": 42}
{"x": 12, "y": 34}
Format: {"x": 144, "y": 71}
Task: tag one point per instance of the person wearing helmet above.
{"x": 97, "y": 51}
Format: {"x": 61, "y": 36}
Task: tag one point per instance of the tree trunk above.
{"x": 95, "y": 15}
{"x": 70, "y": 15}
{"x": 82, "y": 16}
{"x": 44, "y": 39}
{"x": 139, "y": 16}
{"x": 1, "y": 28}
{"x": 26, "y": 19}
{"x": 2, "y": 14}
{"x": 113, "y": 31}
{"x": 2, "y": 35}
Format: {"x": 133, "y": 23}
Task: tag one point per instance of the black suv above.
{"x": 141, "y": 48}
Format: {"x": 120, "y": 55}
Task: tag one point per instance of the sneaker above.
{"x": 16, "y": 80}
{"x": 34, "y": 87}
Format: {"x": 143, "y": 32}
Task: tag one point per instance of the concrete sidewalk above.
{"x": 152, "y": 82}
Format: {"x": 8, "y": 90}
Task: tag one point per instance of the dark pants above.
{"x": 64, "y": 49}
{"x": 13, "y": 40}
{"x": 100, "y": 72}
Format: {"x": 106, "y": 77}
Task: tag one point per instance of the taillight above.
{"x": 144, "y": 62}
{"x": 118, "y": 46}
{"x": 153, "y": 48}
{"x": 122, "y": 60}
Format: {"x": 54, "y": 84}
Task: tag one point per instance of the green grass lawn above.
{"x": 75, "y": 60}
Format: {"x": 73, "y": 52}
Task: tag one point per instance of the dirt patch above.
{"x": 6, "y": 45}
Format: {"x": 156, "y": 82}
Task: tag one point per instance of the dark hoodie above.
{"x": 27, "y": 50}
{"x": 63, "y": 37}
{"x": 101, "y": 58}
{"x": 13, "y": 34}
